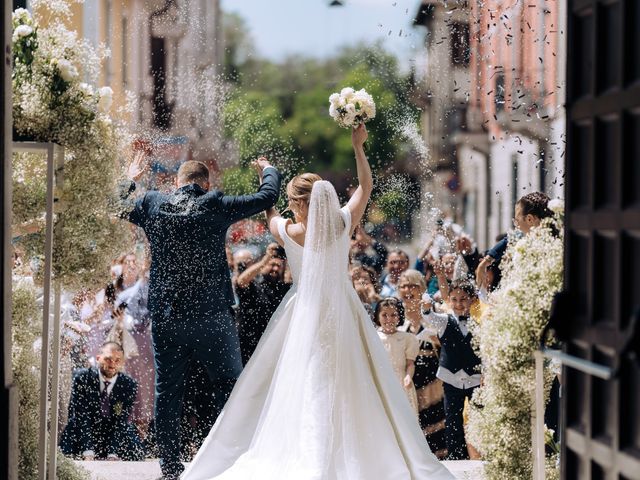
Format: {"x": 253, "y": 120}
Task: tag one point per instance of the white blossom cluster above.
{"x": 506, "y": 337}
{"x": 55, "y": 100}
{"x": 50, "y": 102}
{"x": 350, "y": 108}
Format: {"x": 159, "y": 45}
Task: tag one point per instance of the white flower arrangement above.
{"x": 52, "y": 104}
{"x": 350, "y": 108}
{"x": 556, "y": 206}
{"x": 506, "y": 337}
{"x": 66, "y": 69}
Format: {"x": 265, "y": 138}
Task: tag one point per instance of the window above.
{"x": 108, "y": 10}
{"x": 514, "y": 179}
{"x": 455, "y": 120}
{"x": 499, "y": 92}
{"x": 542, "y": 166}
{"x": 487, "y": 179}
{"x": 125, "y": 34}
{"x": 460, "y": 51}
{"x": 161, "y": 109}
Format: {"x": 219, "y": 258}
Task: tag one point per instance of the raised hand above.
{"x": 272, "y": 250}
{"x": 259, "y": 165}
{"x": 438, "y": 267}
{"x": 359, "y": 135}
{"x": 426, "y": 302}
{"x": 464, "y": 245}
{"x": 137, "y": 166}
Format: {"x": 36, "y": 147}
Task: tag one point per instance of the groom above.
{"x": 190, "y": 293}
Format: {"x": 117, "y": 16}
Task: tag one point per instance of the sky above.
{"x": 283, "y": 27}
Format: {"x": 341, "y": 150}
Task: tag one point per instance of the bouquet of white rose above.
{"x": 350, "y": 108}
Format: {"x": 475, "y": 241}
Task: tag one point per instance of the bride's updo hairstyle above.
{"x": 300, "y": 186}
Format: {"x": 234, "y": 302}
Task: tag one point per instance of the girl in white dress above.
{"x": 319, "y": 399}
{"x": 402, "y": 347}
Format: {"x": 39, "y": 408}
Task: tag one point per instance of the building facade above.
{"x": 510, "y": 135}
{"x": 166, "y": 53}
{"x": 443, "y": 79}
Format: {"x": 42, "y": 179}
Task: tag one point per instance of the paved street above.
{"x": 150, "y": 470}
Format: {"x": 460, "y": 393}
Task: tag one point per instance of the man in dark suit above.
{"x": 190, "y": 292}
{"x": 101, "y": 402}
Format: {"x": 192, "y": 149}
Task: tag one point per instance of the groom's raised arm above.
{"x": 243, "y": 206}
{"x": 132, "y": 208}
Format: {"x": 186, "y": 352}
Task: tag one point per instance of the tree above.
{"x": 238, "y": 45}
{"x": 281, "y": 110}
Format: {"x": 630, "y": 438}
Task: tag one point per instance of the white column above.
{"x": 538, "y": 420}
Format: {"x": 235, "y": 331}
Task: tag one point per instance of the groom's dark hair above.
{"x": 193, "y": 171}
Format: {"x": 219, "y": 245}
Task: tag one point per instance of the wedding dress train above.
{"x": 319, "y": 399}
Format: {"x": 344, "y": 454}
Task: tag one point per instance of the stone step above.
{"x": 150, "y": 470}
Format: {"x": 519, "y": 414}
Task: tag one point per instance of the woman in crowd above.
{"x": 366, "y": 284}
{"x": 140, "y": 366}
{"x": 429, "y": 389}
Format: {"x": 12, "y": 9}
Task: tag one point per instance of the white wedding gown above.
{"x": 319, "y": 399}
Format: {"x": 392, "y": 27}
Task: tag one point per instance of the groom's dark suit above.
{"x": 190, "y": 294}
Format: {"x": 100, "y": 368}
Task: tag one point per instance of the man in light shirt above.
{"x": 459, "y": 367}
{"x": 397, "y": 262}
{"x": 99, "y": 410}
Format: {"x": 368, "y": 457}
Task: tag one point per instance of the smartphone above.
{"x": 120, "y": 309}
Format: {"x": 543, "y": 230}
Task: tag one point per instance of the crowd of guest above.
{"x": 422, "y": 315}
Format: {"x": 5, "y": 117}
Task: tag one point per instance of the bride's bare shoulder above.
{"x": 296, "y": 232}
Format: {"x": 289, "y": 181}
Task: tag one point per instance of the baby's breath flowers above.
{"x": 507, "y": 335}
{"x": 56, "y": 99}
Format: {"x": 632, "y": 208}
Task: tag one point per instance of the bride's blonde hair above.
{"x": 300, "y": 186}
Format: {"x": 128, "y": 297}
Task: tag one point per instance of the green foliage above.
{"x": 29, "y": 186}
{"x": 281, "y": 110}
{"x": 393, "y": 204}
{"x": 237, "y": 44}
{"x": 252, "y": 121}
{"x": 239, "y": 181}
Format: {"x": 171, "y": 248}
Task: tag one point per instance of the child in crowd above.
{"x": 459, "y": 365}
{"x": 402, "y": 347}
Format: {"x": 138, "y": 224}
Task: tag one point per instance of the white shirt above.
{"x": 436, "y": 323}
{"x": 111, "y": 381}
{"x": 388, "y": 289}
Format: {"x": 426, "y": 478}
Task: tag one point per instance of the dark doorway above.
{"x": 602, "y": 271}
{"x": 161, "y": 108}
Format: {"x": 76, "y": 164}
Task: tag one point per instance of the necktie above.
{"x": 104, "y": 400}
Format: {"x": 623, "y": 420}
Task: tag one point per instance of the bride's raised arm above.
{"x": 273, "y": 217}
{"x": 272, "y": 214}
{"x": 357, "y": 204}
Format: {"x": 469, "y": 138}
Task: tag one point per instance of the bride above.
{"x": 319, "y": 399}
